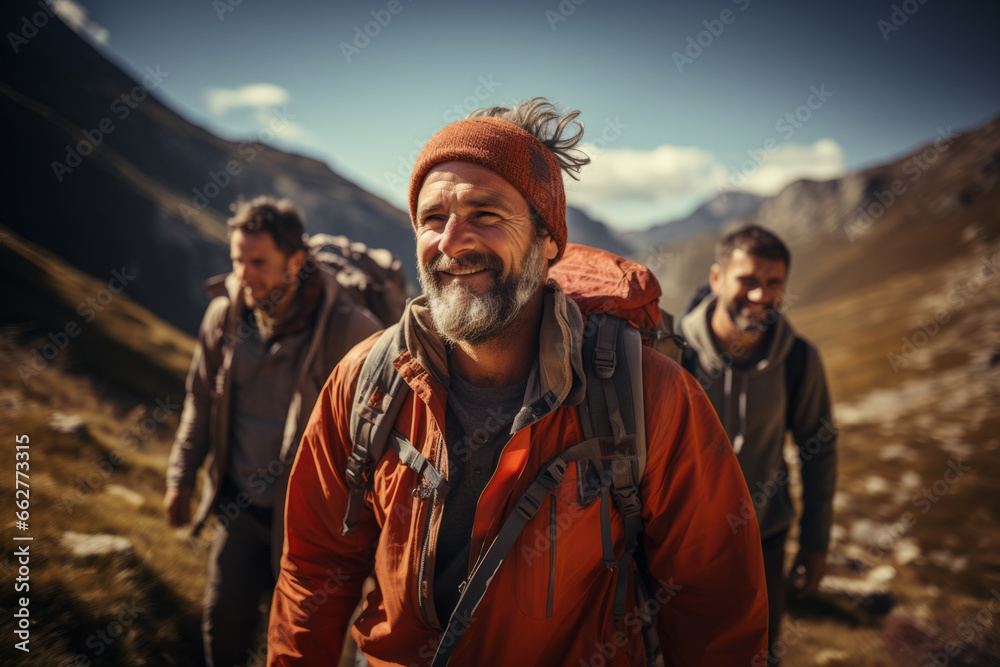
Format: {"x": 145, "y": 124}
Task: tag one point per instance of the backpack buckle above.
{"x": 358, "y": 470}
{"x": 604, "y": 363}
{"x": 627, "y": 500}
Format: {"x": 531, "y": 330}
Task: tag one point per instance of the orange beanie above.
{"x": 516, "y": 155}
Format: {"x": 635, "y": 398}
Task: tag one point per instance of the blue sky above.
{"x": 681, "y": 100}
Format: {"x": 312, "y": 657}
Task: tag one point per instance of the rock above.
{"x": 949, "y": 561}
{"x": 90, "y": 546}
{"x": 882, "y": 574}
{"x": 60, "y": 422}
{"x": 865, "y": 531}
{"x": 897, "y": 450}
{"x": 910, "y": 479}
{"x": 906, "y": 551}
{"x": 128, "y": 495}
{"x": 862, "y": 598}
{"x": 960, "y": 450}
{"x": 875, "y": 484}
{"x": 826, "y": 656}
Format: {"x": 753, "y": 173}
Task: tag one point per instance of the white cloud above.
{"x": 662, "y": 174}
{"x": 74, "y": 15}
{"x": 622, "y": 183}
{"x": 254, "y": 96}
{"x": 788, "y": 163}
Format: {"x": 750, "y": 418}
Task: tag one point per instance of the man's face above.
{"x": 265, "y": 273}
{"x": 750, "y": 289}
{"x": 480, "y": 260}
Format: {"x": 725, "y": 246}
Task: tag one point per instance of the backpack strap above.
{"x": 378, "y": 400}
{"x": 474, "y": 588}
{"x": 613, "y": 359}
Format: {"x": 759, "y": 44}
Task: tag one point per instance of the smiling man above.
{"x": 493, "y": 349}
{"x": 276, "y": 327}
{"x": 764, "y": 380}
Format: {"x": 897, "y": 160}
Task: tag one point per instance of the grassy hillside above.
{"x": 65, "y": 317}
{"x": 93, "y": 383}
{"x": 104, "y": 478}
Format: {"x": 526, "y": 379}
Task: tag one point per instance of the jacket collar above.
{"x": 556, "y": 379}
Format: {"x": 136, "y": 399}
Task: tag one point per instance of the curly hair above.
{"x": 542, "y": 119}
{"x": 278, "y": 217}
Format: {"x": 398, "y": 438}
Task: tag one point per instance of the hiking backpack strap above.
{"x": 474, "y": 588}
{"x": 614, "y": 409}
{"x": 378, "y": 400}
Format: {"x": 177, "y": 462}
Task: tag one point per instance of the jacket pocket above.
{"x": 558, "y": 554}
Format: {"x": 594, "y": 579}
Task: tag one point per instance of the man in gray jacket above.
{"x": 763, "y": 380}
{"x": 276, "y": 328}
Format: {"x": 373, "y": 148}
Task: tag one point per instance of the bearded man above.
{"x": 492, "y": 357}
{"x": 764, "y": 380}
{"x": 269, "y": 339}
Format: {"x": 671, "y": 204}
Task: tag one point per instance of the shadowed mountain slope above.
{"x": 109, "y": 178}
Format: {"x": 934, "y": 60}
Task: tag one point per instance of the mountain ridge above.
{"x": 110, "y": 176}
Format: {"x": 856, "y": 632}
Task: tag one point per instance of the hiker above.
{"x": 266, "y": 345}
{"x": 491, "y": 359}
{"x": 765, "y": 380}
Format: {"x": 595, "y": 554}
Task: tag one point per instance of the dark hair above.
{"x": 278, "y": 217}
{"x": 753, "y": 240}
{"x": 541, "y": 119}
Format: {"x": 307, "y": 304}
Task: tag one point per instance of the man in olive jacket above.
{"x": 275, "y": 329}
{"x": 763, "y": 381}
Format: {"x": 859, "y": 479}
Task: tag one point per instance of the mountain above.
{"x": 68, "y": 320}
{"x": 110, "y": 179}
{"x": 850, "y": 233}
{"x": 584, "y": 229}
{"x": 707, "y": 219}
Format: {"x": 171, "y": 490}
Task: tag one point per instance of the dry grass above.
{"x": 901, "y": 431}
{"x": 76, "y": 482}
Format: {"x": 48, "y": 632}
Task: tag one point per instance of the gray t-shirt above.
{"x": 263, "y": 383}
{"x": 477, "y": 426}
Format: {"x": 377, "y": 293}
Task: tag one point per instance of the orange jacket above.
{"x": 551, "y": 600}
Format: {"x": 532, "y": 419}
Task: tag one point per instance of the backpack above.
{"x": 620, "y": 298}
{"x": 371, "y": 277}
{"x": 795, "y": 362}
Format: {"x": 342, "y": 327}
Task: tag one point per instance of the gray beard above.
{"x": 461, "y": 315}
